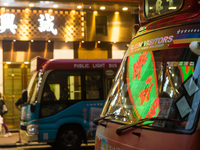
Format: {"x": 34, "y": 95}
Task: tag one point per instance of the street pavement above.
{"x": 12, "y": 141}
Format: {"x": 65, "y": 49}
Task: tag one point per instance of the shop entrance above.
{"x": 16, "y": 72}
{"x": 16, "y": 77}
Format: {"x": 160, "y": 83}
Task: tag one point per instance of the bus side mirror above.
{"x": 24, "y": 96}
{"x": 195, "y": 47}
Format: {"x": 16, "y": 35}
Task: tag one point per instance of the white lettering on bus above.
{"x": 81, "y": 66}
{"x": 161, "y": 40}
{"x": 98, "y": 65}
{"x": 112, "y": 65}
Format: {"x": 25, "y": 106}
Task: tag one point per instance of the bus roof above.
{"x": 59, "y": 64}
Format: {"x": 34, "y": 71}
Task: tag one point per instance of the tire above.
{"x": 69, "y": 138}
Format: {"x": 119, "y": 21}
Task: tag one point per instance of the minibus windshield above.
{"x": 158, "y": 84}
{"x": 34, "y": 87}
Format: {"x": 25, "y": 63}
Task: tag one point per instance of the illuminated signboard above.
{"x": 39, "y": 24}
{"x": 142, "y": 85}
{"x": 7, "y": 22}
{"x": 46, "y": 24}
{"x": 155, "y": 8}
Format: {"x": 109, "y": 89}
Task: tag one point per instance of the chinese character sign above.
{"x": 7, "y": 22}
{"x": 142, "y": 85}
{"x": 46, "y": 24}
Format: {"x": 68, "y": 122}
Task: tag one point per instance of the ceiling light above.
{"x": 55, "y": 6}
{"x": 116, "y": 13}
{"x": 125, "y": 8}
{"x": 102, "y": 7}
{"x": 95, "y": 12}
{"x": 79, "y": 7}
{"x": 31, "y": 5}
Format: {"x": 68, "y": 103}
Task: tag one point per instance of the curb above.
{"x": 21, "y": 144}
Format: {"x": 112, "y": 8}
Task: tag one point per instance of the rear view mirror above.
{"x": 195, "y": 47}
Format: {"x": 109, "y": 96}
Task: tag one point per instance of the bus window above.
{"x": 73, "y": 89}
{"x": 60, "y": 88}
{"x": 93, "y": 85}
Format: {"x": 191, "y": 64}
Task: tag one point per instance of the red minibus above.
{"x": 154, "y": 102}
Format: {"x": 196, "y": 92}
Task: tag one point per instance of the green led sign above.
{"x": 142, "y": 85}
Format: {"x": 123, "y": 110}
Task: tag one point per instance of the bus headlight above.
{"x": 32, "y": 129}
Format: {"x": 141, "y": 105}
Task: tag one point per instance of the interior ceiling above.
{"x": 87, "y": 5}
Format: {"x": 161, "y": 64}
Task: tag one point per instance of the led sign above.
{"x": 7, "y": 22}
{"x": 142, "y": 85}
{"x": 155, "y": 8}
{"x": 46, "y": 24}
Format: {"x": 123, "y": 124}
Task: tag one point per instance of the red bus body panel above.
{"x": 149, "y": 139}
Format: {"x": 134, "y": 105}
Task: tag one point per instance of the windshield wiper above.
{"x": 118, "y": 131}
{"x": 96, "y": 120}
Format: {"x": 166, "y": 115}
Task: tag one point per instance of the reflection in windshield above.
{"x": 150, "y": 84}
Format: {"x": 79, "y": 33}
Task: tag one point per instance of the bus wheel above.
{"x": 69, "y": 138}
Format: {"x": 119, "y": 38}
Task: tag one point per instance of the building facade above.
{"x": 55, "y": 34}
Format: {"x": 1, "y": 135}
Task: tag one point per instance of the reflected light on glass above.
{"x": 172, "y": 8}
{"x": 115, "y": 87}
{"x": 150, "y": 8}
{"x": 114, "y": 100}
